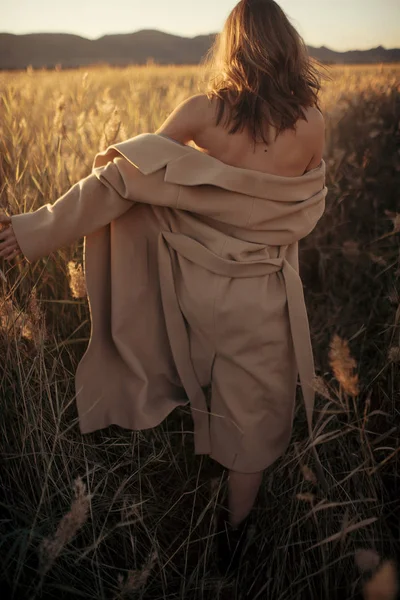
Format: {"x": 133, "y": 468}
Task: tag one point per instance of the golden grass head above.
{"x": 77, "y": 282}
{"x": 59, "y": 124}
{"x": 137, "y": 579}
{"x": 29, "y": 324}
{"x": 320, "y": 386}
{"x": 308, "y": 474}
{"x": 68, "y": 527}
{"x": 342, "y": 365}
{"x": 113, "y": 130}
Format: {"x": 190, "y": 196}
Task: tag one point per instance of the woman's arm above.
{"x": 90, "y": 204}
{"x": 84, "y": 208}
{"x": 188, "y": 120}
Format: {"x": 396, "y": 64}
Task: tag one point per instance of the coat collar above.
{"x": 190, "y": 167}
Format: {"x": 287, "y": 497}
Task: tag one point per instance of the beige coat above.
{"x": 192, "y": 276}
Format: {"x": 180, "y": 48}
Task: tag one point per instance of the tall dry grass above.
{"x": 119, "y": 514}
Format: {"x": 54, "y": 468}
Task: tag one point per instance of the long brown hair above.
{"x": 260, "y": 70}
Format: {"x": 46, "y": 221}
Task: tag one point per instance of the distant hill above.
{"x": 51, "y": 49}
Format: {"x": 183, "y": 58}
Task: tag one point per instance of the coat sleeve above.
{"x": 88, "y": 205}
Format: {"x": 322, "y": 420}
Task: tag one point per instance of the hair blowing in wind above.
{"x": 260, "y": 71}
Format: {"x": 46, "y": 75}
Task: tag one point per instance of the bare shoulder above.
{"x": 199, "y": 102}
{"x": 202, "y": 109}
{"x": 312, "y": 135}
{"x": 315, "y": 123}
{"x": 188, "y": 119}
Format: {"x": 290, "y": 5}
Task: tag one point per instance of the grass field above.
{"x": 120, "y": 514}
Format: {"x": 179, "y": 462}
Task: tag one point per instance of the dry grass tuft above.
{"x": 136, "y": 580}
{"x": 77, "y": 282}
{"x": 308, "y": 474}
{"x": 29, "y": 324}
{"x": 343, "y": 365}
{"x": 320, "y": 386}
{"x": 68, "y": 527}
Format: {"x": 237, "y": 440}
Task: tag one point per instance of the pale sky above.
{"x": 338, "y": 24}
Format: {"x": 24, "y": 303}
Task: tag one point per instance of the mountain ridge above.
{"x": 48, "y": 50}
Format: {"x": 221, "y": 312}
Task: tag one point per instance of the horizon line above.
{"x": 178, "y": 36}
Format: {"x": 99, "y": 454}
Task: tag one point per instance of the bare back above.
{"x": 292, "y": 154}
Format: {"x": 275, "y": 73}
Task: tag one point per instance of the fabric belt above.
{"x": 194, "y": 251}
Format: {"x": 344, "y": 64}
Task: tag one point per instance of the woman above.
{"x": 260, "y": 126}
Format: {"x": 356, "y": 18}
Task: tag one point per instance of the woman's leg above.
{"x": 242, "y": 493}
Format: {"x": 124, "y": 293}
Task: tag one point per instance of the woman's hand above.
{"x": 9, "y": 247}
